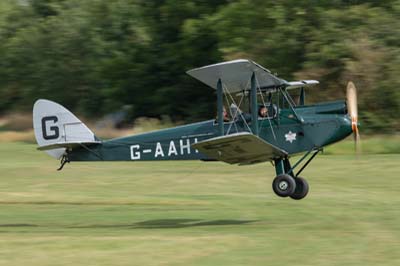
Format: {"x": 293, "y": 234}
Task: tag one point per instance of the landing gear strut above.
{"x": 288, "y": 184}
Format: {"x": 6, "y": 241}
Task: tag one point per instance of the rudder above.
{"x": 56, "y": 128}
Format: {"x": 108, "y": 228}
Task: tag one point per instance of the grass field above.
{"x": 196, "y": 213}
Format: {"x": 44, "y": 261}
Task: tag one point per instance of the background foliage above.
{"x": 97, "y": 56}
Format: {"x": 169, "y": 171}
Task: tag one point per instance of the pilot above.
{"x": 225, "y": 115}
{"x": 263, "y": 111}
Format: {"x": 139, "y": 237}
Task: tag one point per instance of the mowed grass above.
{"x": 196, "y": 213}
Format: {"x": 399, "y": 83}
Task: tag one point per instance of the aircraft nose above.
{"x": 344, "y": 126}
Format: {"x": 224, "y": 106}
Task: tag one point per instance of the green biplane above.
{"x": 257, "y": 121}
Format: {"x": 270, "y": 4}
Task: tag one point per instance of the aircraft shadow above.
{"x": 18, "y": 225}
{"x": 149, "y": 224}
{"x": 171, "y": 223}
{"x": 181, "y": 223}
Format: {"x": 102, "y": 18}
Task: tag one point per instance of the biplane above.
{"x": 257, "y": 121}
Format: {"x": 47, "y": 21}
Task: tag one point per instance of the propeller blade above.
{"x": 352, "y": 100}
{"x": 353, "y": 113}
{"x": 357, "y": 142}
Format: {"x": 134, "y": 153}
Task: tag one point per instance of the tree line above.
{"x": 97, "y": 56}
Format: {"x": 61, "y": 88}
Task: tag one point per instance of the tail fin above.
{"x": 57, "y": 129}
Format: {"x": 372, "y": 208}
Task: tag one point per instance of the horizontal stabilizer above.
{"x": 66, "y": 145}
{"x": 240, "y": 148}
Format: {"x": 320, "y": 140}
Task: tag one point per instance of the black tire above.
{"x": 301, "y": 189}
{"x": 284, "y": 185}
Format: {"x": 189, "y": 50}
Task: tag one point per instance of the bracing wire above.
{"x": 269, "y": 120}
{"x": 240, "y": 113}
{"x": 233, "y": 116}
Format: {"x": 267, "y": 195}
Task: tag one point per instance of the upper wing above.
{"x": 235, "y": 75}
{"x": 240, "y": 148}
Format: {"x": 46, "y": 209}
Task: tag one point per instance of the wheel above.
{"x": 301, "y": 189}
{"x": 284, "y": 185}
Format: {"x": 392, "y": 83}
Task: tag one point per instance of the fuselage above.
{"x": 314, "y": 126}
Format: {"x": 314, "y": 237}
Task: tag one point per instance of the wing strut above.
{"x": 220, "y": 108}
{"x": 254, "y": 113}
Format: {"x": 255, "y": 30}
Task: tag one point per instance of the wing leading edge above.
{"x": 240, "y": 148}
{"x": 235, "y": 75}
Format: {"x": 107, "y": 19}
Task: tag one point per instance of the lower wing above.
{"x": 240, "y": 148}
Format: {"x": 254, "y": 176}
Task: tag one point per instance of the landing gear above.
{"x": 284, "y": 185}
{"x": 301, "y": 189}
{"x": 294, "y": 187}
{"x": 287, "y": 183}
{"x": 64, "y": 160}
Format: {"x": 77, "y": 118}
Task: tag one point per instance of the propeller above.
{"x": 353, "y": 113}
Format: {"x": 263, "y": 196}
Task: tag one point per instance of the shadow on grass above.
{"x": 180, "y": 223}
{"x": 171, "y": 223}
{"x": 18, "y": 225}
{"x": 150, "y": 224}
